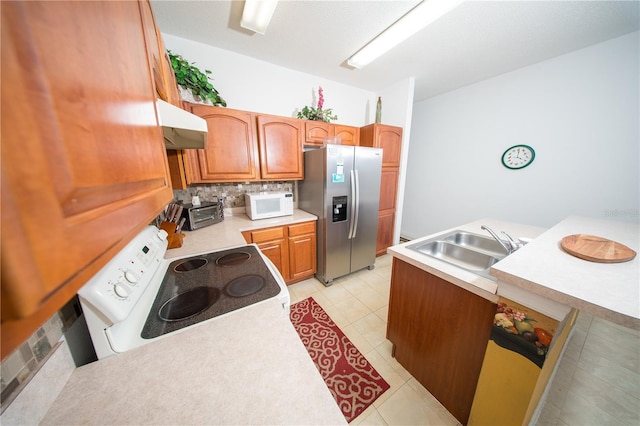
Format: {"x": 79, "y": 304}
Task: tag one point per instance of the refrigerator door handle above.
{"x": 356, "y": 201}
{"x": 352, "y": 215}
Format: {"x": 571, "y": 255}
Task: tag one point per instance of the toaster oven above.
{"x": 207, "y": 213}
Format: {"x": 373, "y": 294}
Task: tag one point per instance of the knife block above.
{"x": 173, "y": 238}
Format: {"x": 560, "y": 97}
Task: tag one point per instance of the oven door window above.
{"x": 202, "y": 214}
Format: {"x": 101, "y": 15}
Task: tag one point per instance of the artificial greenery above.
{"x": 190, "y": 77}
{"x": 317, "y": 113}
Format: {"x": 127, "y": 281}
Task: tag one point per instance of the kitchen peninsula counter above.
{"x": 545, "y": 277}
{"x": 469, "y": 281}
{"x": 246, "y": 368}
{"x": 228, "y": 233}
{"x": 607, "y": 290}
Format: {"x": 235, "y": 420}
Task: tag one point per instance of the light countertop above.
{"x": 240, "y": 369}
{"x": 607, "y": 290}
{"x": 247, "y": 367}
{"x": 228, "y": 233}
{"x": 474, "y": 283}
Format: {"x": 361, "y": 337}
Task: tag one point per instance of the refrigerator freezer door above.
{"x": 337, "y": 245}
{"x": 368, "y": 168}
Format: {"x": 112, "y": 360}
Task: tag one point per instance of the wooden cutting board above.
{"x": 596, "y": 249}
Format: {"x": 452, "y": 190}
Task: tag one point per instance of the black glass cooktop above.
{"x": 202, "y": 287}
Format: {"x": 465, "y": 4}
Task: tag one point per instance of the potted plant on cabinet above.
{"x": 191, "y": 79}
{"x": 317, "y": 114}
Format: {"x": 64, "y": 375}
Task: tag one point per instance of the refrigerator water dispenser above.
{"x": 339, "y": 208}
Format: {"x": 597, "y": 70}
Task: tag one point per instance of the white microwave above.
{"x": 263, "y": 205}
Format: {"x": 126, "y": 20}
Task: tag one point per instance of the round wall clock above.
{"x": 518, "y": 157}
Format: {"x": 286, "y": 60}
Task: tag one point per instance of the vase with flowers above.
{"x": 317, "y": 113}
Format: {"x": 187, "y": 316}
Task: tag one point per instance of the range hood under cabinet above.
{"x": 181, "y": 129}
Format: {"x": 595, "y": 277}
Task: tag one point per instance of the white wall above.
{"x": 579, "y": 111}
{"x": 397, "y": 107}
{"x": 253, "y": 85}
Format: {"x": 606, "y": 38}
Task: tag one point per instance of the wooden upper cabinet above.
{"x": 389, "y": 138}
{"x": 242, "y": 146}
{"x": 84, "y": 167}
{"x": 163, "y": 77}
{"x": 349, "y": 135}
{"x": 280, "y": 140}
{"x": 231, "y": 151}
{"x": 315, "y": 132}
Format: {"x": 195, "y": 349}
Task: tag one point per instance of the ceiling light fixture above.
{"x": 416, "y": 19}
{"x": 257, "y": 14}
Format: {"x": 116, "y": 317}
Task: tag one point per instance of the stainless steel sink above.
{"x": 474, "y": 241}
{"x": 472, "y": 252}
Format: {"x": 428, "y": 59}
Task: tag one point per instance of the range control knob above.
{"x": 121, "y": 290}
{"x": 131, "y": 276}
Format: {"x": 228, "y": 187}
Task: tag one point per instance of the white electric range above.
{"x": 139, "y": 296}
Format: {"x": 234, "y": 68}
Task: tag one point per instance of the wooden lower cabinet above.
{"x": 439, "y": 333}
{"x": 386, "y": 209}
{"x": 291, "y": 248}
{"x": 273, "y": 244}
{"x": 302, "y": 251}
{"x": 384, "y": 239}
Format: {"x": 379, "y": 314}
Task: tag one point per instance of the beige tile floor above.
{"x": 595, "y": 385}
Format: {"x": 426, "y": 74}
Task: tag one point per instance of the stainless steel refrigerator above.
{"x": 342, "y": 187}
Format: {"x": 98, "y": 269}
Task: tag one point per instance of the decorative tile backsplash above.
{"x": 231, "y": 194}
{"x": 19, "y": 367}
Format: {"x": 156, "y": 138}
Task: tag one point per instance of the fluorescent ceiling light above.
{"x": 257, "y": 14}
{"x": 415, "y": 20}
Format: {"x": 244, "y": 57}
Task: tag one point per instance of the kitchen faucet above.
{"x": 511, "y": 247}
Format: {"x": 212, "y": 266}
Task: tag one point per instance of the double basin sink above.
{"x": 466, "y": 250}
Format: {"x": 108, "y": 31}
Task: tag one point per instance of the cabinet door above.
{"x": 280, "y": 140}
{"x": 388, "y": 189}
{"x": 154, "y": 54}
{"x": 278, "y": 253}
{"x": 302, "y": 251}
{"x": 350, "y": 135}
{"x": 385, "y": 231}
{"x": 389, "y": 138}
{"x": 163, "y": 76}
{"x": 273, "y": 244}
{"x": 315, "y": 132}
{"x": 84, "y": 167}
{"x": 176, "y": 159}
{"x": 231, "y": 151}
{"x": 440, "y": 333}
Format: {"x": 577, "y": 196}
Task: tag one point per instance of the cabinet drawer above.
{"x": 267, "y": 235}
{"x": 302, "y": 228}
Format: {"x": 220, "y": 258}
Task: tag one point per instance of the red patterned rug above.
{"x": 353, "y": 382}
